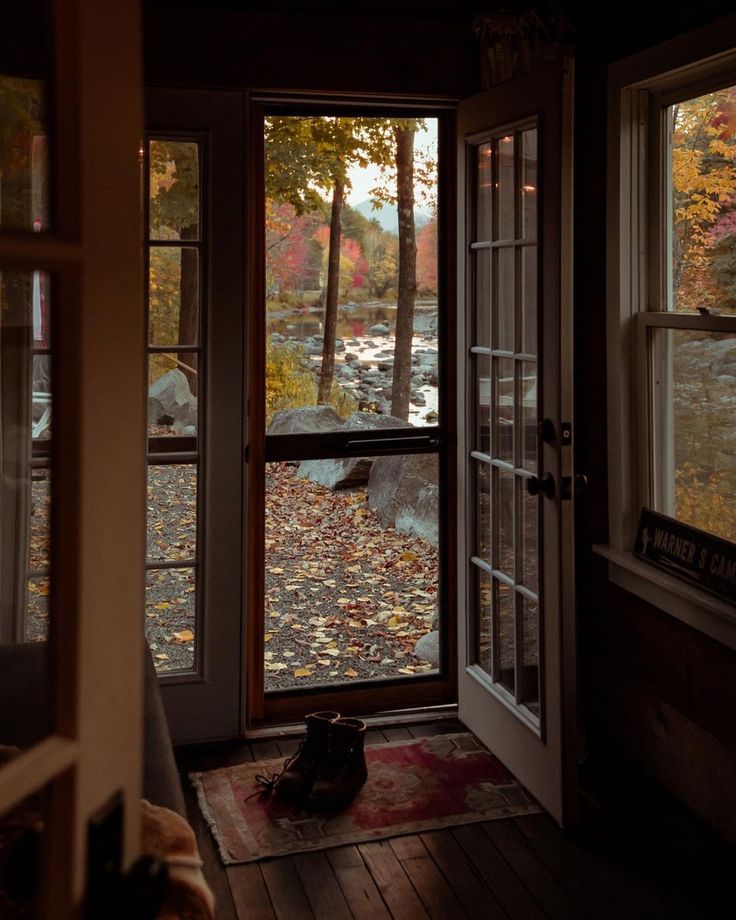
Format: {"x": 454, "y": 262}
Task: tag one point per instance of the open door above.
{"x": 71, "y": 331}
{"x": 516, "y": 648}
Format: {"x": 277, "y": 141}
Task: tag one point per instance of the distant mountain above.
{"x": 386, "y": 216}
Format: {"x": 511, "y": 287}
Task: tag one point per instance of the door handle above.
{"x": 545, "y": 485}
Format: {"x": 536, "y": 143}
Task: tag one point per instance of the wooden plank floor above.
{"x": 524, "y": 868}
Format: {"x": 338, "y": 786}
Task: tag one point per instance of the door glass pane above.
{"x": 351, "y": 570}
{"x": 483, "y": 403}
{"x": 358, "y": 332}
{"x": 484, "y": 634}
{"x": 529, "y": 539}
{"x": 506, "y": 634}
{"x": 694, "y": 410}
{"x": 171, "y": 604}
{"x": 514, "y": 537}
{"x": 504, "y": 520}
{"x": 24, "y": 204}
{"x": 482, "y": 262}
{"x": 174, "y": 190}
{"x": 25, "y": 499}
{"x": 172, "y": 512}
{"x": 506, "y": 189}
{"x": 529, "y": 184}
{"x": 483, "y": 511}
{"x": 505, "y": 306}
{"x": 503, "y": 447}
{"x": 173, "y": 295}
{"x": 529, "y": 305}
{"x": 529, "y": 418}
{"x": 172, "y": 394}
{"x": 484, "y": 197}
{"x": 530, "y": 678}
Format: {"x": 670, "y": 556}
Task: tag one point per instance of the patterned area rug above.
{"x": 413, "y": 786}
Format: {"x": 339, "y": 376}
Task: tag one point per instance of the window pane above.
{"x": 703, "y": 183}
{"x": 336, "y": 336}
{"x": 172, "y": 512}
{"x": 172, "y": 394}
{"x": 24, "y": 204}
{"x": 483, "y": 200}
{"x": 695, "y": 408}
{"x": 174, "y": 190}
{"x": 171, "y": 617}
{"x": 506, "y": 189}
{"x": 351, "y": 569}
{"x": 173, "y": 295}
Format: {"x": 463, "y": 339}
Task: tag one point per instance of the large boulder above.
{"x": 348, "y": 472}
{"x": 428, "y": 648}
{"x": 404, "y": 493}
{"x": 171, "y": 402}
{"x": 305, "y": 420}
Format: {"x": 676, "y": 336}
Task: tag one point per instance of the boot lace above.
{"x": 307, "y": 755}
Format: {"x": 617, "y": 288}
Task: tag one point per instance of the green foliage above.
{"x": 290, "y": 383}
{"x": 164, "y": 295}
{"x": 174, "y": 189}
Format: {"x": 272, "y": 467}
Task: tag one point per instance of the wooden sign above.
{"x": 689, "y": 553}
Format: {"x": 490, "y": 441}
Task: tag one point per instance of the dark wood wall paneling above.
{"x": 657, "y": 697}
{"x": 312, "y": 50}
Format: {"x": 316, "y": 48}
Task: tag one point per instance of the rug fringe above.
{"x": 196, "y": 781}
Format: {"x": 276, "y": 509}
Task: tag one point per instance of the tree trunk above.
{"x": 407, "y": 272}
{"x": 189, "y": 307}
{"x": 333, "y": 287}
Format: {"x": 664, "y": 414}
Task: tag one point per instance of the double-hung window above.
{"x": 672, "y": 308}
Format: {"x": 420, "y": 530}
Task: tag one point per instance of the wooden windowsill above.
{"x": 692, "y": 605}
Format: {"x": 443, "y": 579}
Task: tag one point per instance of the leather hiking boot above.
{"x": 344, "y": 770}
{"x": 301, "y": 769}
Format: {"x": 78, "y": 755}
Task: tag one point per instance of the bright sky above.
{"x": 363, "y": 180}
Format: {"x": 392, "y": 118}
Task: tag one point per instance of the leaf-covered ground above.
{"x": 346, "y": 598}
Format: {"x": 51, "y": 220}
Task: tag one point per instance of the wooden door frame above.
{"x": 204, "y": 704}
{"x": 96, "y": 585}
{"x": 369, "y": 696}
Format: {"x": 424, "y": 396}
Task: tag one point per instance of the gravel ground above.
{"x": 346, "y": 599}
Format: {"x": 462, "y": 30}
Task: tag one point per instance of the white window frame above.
{"x": 640, "y": 89}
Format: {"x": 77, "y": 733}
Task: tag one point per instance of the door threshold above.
{"x": 379, "y": 720}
